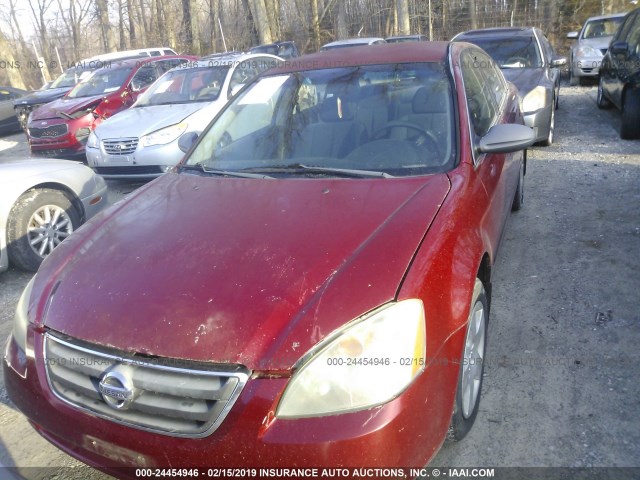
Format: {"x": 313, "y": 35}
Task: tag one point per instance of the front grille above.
{"x": 130, "y": 170}
{"x": 120, "y": 146}
{"x": 48, "y": 132}
{"x": 160, "y": 395}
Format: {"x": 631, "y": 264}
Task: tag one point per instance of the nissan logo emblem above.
{"x": 117, "y": 390}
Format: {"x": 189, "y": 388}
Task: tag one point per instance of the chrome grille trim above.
{"x": 186, "y": 401}
{"x": 50, "y": 131}
{"x": 120, "y": 146}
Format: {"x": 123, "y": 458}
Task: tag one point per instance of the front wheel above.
{"x": 471, "y": 367}
{"x": 601, "y": 100}
{"x": 518, "y": 198}
{"x": 38, "y": 222}
{"x": 552, "y": 126}
{"x": 630, "y": 128}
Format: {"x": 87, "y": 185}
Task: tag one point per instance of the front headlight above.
{"x": 164, "y": 136}
{"x": 587, "y": 51}
{"x": 535, "y": 99}
{"x": 21, "y": 319}
{"x": 368, "y": 363}
{"x": 92, "y": 141}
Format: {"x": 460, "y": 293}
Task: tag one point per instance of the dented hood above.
{"x": 246, "y": 271}
{"x": 66, "y": 105}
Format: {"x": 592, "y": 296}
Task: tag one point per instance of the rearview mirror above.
{"x": 558, "y": 62}
{"x": 507, "y": 138}
{"x": 572, "y": 35}
{"x": 187, "y": 140}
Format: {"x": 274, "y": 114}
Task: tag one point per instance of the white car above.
{"x": 41, "y": 203}
{"x": 353, "y": 42}
{"x": 148, "y": 139}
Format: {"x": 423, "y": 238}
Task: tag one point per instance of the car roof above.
{"x": 228, "y": 60}
{"x": 354, "y": 41}
{"x": 496, "y": 32}
{"x": 135, "y": 62}
{"x": 604, "y": 17}
{"x": 391, "y": 53}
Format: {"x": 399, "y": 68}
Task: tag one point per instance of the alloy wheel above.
{"x": 48, "y": 226}
{"x": 473, "y": 360}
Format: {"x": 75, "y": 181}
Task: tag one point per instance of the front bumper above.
{"x": 143, "y": 163}
{"x": 67, "y": 145}
{"x": 405, "y": 432}
{"x": 586, "y": 67}
{"x": 539, "y": 121}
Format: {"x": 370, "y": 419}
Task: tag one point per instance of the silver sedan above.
{"x": 41, "y": 203}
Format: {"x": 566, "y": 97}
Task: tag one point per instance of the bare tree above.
{"x": 261, "y": 20}
{"x": 404, "y": 24}
{"x": 6, "y": 55}
{"x": 75, "y": 16}
{"x": 108, "y": 39}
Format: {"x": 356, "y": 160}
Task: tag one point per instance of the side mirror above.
{"x": 572, "y": 35}
{"x": 507, "y": 138}
{"x": 619, "y": 48}
{"x": 187, "y": 140}
{"x": 558, "y": 62}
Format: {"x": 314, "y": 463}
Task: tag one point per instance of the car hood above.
{"x": 598, "y": 43}
{"x": 244, "y": 271}
{"x": 139, "y": 121}
{"x": 20, "y": 170}
{"x": 65, "y": 105}
{"x": 526, "y": 79}
{"x": 42, "y": 96}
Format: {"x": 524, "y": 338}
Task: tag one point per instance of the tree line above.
{"x": 64, "y": 31}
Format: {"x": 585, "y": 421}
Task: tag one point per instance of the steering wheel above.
{"x": 520, "y": 60}
{"x": 425, "y": 140}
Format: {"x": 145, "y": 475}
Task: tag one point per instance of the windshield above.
{"x": 70, "y": 77}
{"x": 520, "y": 52}
{"x": 185, "y": 85}
{"x": 393, "y": 119}
{"x": 103, "y": 81}
{"x": 605, "y": 27}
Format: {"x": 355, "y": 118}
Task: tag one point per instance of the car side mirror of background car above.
{"x": 619, "y": 48}
{"x": 572, "y": 35}
{"x": 187, "y": 140}
{"x": 507, "y": 138}
{"x": 558, "y": 62}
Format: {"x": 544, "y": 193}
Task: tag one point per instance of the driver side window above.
{"x": 480, "y": 99}
{"x": 143, "y": 78}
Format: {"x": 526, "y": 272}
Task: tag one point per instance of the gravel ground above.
{"x": 561, "y": 381}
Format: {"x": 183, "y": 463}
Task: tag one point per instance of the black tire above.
{"x": 464, "y": 416}
{"x": 630, "y": 127}
{"x": 31, "y": 237}
{"x": 601, "y": 100}
{"x": 547, "y": 142}
{"x": 518, "y": 198}
{"x": 573, "y": 80}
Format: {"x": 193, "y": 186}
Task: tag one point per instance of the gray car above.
{"x": 528, "y": 60}
{"x": 148, "y": 139}
{"x": 42, "y": 201}
{"x": 591, "y": 44}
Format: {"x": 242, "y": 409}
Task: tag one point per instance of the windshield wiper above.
{"x": 301, "y": 168}
{"x": 224, "y": 173}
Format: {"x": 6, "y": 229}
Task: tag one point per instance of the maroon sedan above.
{"x": 61, "y": 128}
{"x": 310, "y": 287}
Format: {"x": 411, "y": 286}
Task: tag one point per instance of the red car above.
{"x": 309, "y": 287}
{"x": 61, "y": 128}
